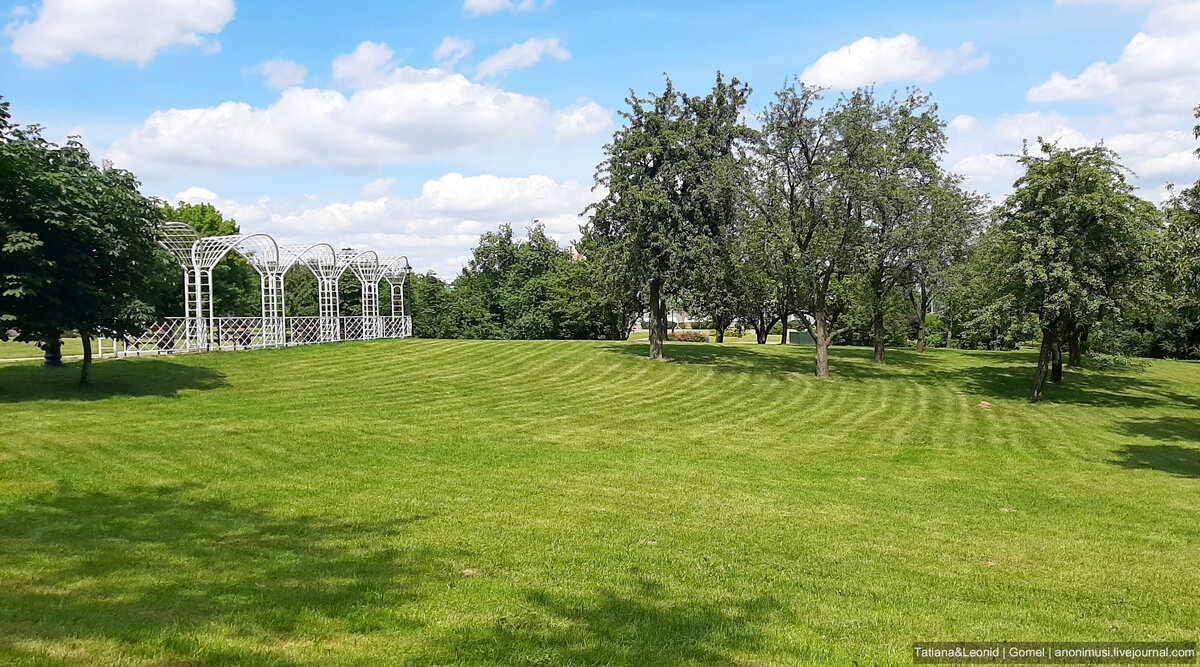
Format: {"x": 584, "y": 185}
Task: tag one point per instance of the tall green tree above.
{"x": 1071, "y": 239}
{"x": 951, "y": 220}
{"x": 667, "y": 190}
{"x": 904, "y": 139}
{"x": 77, "y": 246}
{"x": 809, "y": 186}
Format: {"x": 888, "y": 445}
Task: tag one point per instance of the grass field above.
{"x": 545, "y": 503}
{"x": 13, "y": 350}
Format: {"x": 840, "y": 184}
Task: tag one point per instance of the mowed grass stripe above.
{"x": 489, "y": 502}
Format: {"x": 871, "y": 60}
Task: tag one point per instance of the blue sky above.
{"x": 414, "y": 127}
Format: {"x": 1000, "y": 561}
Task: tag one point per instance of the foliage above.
{"x": 76, "y": 243}
{"x": 514, "y": 288}
{"x": 669, "y": 176}
{"x": 1072, "y": 244}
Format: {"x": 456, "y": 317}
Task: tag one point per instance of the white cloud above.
{"x": 377, "y": 188}
{"x": 880, "y": 59}
{"x": 1155, "y": 80}
{"x": 1152, "y": 155}
{"x": 520, "y": 56}
{"x": 480, "y": 7}
{"x": 964, "y": 123}
{"x": 452, "y": 50}
{"x": 436, "y": 229}
{"x": 1146, "y": 98}
{"x": 583, "y": 119}
{"x": 280, "y": 74}
{"x": 368, "y": 65}
{"x": 390, "y": 115}
{"x": 132, "y": 30}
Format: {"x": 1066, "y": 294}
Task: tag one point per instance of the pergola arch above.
{"x": 320, "y": 259}
{"x": 201, "y": 329}
{"x": 364, "y": 264}
{"x": 396, "y": 271}
{"x": 261, "y": 252}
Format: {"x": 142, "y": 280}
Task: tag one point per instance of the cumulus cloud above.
{"x": 368, "y": 65}
{"x": 377, "y": 188}
{"x": 520, "y": 56}
{"x": 978, "y": 149}
{"x": 131, "y": 30}
{"x": 1155, "y": 79}
{"x": 280, "y": 74}
{"x": 436, "y": 229}
{"x": 583, "y": 119}
{"x": 480, "y": 7}
{"x": 452, "y": 50}
{"x": 880, "y": 59}
{"x": 390, "y": 114}
{"x": 1145, "y": 94}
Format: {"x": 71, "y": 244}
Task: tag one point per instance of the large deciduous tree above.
{"x": 904, "y": 139}
{"x": 809, "y": 189}
{"x": 950, "y": 222}
{"x": 76, "y": 243}
{"x": 1070, "y": 240}
{"x": 670, "y": 176}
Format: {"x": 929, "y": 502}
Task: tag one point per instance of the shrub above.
{"x": 1107, "y": 362}
{"x": 688, "y": 336}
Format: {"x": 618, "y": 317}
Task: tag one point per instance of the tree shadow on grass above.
{"x": 610, "y": 628}
{"x": 1173, "y": 459}
{"x": 1172, "y": 429}
{"x": 125, "y": 377}
{"x": 1182, "y": 459}
{"x": 147, "y": 573}
{"x": 997, "y": 374}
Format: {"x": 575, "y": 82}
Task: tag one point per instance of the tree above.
{"x": 665, "y": 191}
{"x": 902, "y": 141}
{"x": 952, "y": 219}
{"x": 76, "y": 243}
{"x": 236, "y": 289}
{"x": 1070, "y": 239}
{"x": 809, "y": 189}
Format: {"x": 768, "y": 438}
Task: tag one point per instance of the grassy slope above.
{"x": 571, "y": 502}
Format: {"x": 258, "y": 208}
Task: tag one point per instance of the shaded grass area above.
{"x": 531, "y": 503}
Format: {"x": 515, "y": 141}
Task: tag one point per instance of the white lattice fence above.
{"x": 238, "y": 333}
{"x": 302, "y": 330}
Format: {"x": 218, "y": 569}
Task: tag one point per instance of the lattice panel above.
{"x": 303, "y": 330}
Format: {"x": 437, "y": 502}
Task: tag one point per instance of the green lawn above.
{"x": 545, "y": 503}
{"x": 13, "y": 350}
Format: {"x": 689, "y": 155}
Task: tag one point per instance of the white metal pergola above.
{"x": 201, "y": 330}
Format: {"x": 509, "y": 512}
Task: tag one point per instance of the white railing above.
{"x": 181, "y": 334}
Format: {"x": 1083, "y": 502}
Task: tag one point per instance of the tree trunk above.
{"x": 52, "y": 352}
{"x": 783, "y": 336}
{"x": 87, "y": 358}
{"x": 822, "y": 339}
{"x": 1056, "y": 360}
{"x": 1075, "y": 350}
{"x": 1045, "y": 356}
{"x": 922, "y": 314}
{"x": 877, "y": 331}
{"x": 761, "y": 329}
{"x": 720, "y": 325}
{"x": 949, "y": 336}
{"x": 658, "y": 318}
